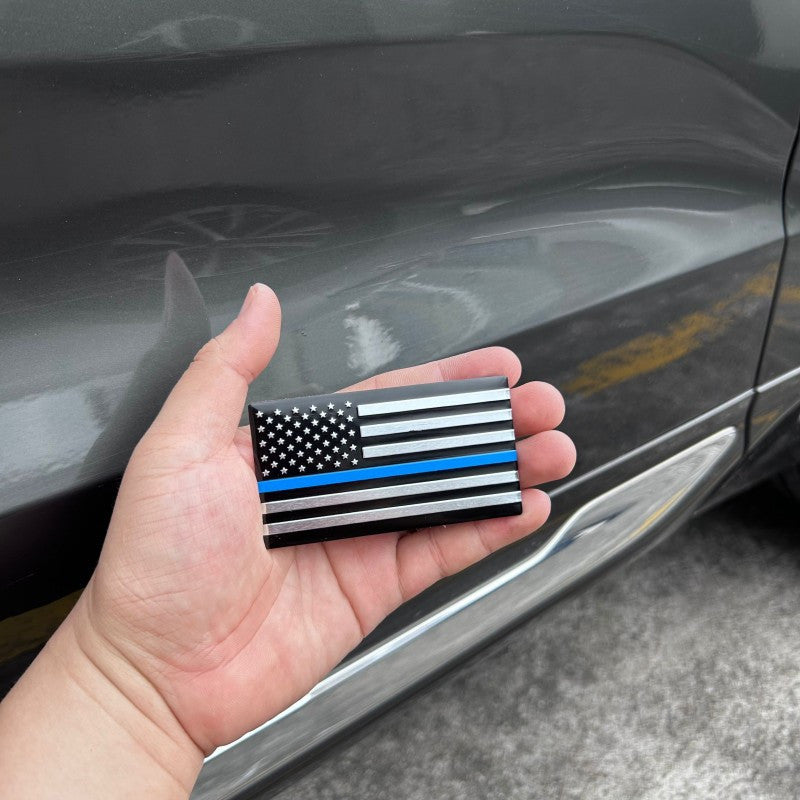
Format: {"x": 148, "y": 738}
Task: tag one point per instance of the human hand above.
{"x": 193, "y": 619}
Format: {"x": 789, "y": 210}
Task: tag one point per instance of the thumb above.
{"x": 202, "y": 412}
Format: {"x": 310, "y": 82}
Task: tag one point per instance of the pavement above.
{"x": 676, "y": 676}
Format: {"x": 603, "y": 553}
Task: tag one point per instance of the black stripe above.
{"x": 473, "y": 491}
{"x": 386, "y": 526}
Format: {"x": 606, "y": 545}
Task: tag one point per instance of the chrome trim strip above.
{"x": 396, "y": 490}
{"x": 438, "y": 443}
{"x": 407, "y": 510}
{"x": 431, "y": 423}
{"x": 659, "y": 440}
{"x": 773, "y": 382}
{"x": 439, "y": 401}
{"x": 629, "y": 516}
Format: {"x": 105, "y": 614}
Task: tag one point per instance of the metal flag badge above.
{"x": 354, "y": 463}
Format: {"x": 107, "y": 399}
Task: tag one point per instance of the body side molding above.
{"x": 630, "y": 516}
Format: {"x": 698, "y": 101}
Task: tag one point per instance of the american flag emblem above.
{"x": 354, "y": 463}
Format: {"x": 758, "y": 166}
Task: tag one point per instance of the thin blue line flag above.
{"x": 355, "y": 463}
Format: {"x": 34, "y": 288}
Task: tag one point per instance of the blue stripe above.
{"x": 387, "y": 471}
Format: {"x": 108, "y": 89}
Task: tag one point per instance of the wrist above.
{"x": 104, "y": 727}
{"x": 138, "y": 707}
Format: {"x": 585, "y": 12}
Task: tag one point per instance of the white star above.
{"x": 274, "y": 464}
{"x": 349, "y": 418}
{"x": 326, "y": 443}
{"x": 348, "y": 404}
{"x": 280, "y": 441}
{"x": 269, "y": 420}
{"x": 262, "y": 443}
{"x": 259, "y": 414}
{"x": 310, "y": 459}
{"x": 295, "y": 410}
{"x": 264, "y": 458}
{"x": 328, "y": 457}
{"x": 313, "y": 408}
{"x": 279, "y": 426}
{"x": 352, "y": 433}
{"x": 324, "y": 428}
{"x": 287, "y": 418}
{"x": 352, "y": 447}
{"x": 322, "y": 413}
{"x": 272, "y": 449}
{"x": 271, "y": 435}
{"x": 292, "y": 462}
{"x": 334, "y": 435}
{"x": 335, "y": 449}
{"x": 301, "y": 468}
{"x": 319, "y": 466}
{"x": 318, "y": 451}
{"x": 342, "y": 426}
{"x": 315, "y": 422}
{"x": 277, "y": 411}
{"x": 355, "y": 461}
{"x": 261, "y": 429}
{"x": 266, "y": 472}
{"x": 297, "y": 424}
{"x": 284, "y": 470}
{"x": 281, "y": 455}
{"x": 290, "y": 447}
{"x": 330, "y": 405}
{"x": 306, "y": 430}
{"x": 337, "y": 463}
{"x": 316, "y": 437}
{"x": 340, "y": 412}
{"x": 305, "y": 416}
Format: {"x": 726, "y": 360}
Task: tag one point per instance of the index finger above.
{"x": 474, "y": 364}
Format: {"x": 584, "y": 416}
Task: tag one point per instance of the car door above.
{"x": 598, "y": 188}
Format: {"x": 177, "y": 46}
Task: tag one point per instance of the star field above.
{"x": 299, "y": 440}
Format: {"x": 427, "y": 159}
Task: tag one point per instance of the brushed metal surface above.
{"x": 437, "y": 443}
{"x": 430, "y": 423}
{"x": 395, "y": 490}
{"x": 425, "y": 403}
{"x": 372, "y": 514}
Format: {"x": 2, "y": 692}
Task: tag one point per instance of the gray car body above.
{"x": 599, "y": 187}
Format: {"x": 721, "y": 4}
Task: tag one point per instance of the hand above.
{"x": 188, "y": 600}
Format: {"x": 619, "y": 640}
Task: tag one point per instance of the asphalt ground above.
{"x": 676, "y": 676}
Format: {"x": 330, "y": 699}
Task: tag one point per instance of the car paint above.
{"x": 779, "y": 377}
{"x": 773, "y": 421}
{"x": 601, "y": 190}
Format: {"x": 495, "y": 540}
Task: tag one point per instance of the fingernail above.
{"x": 248, "y": 300}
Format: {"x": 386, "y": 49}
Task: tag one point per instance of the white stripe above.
{"x": 372, "y": 515}
{"x": 429, "y": 423}
{"x": 398, "y": 490}
{"x": 439, "y": 401}
{"x": 438, "y": 443}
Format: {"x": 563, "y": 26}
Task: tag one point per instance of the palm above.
{"x": 231, "y": 633}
